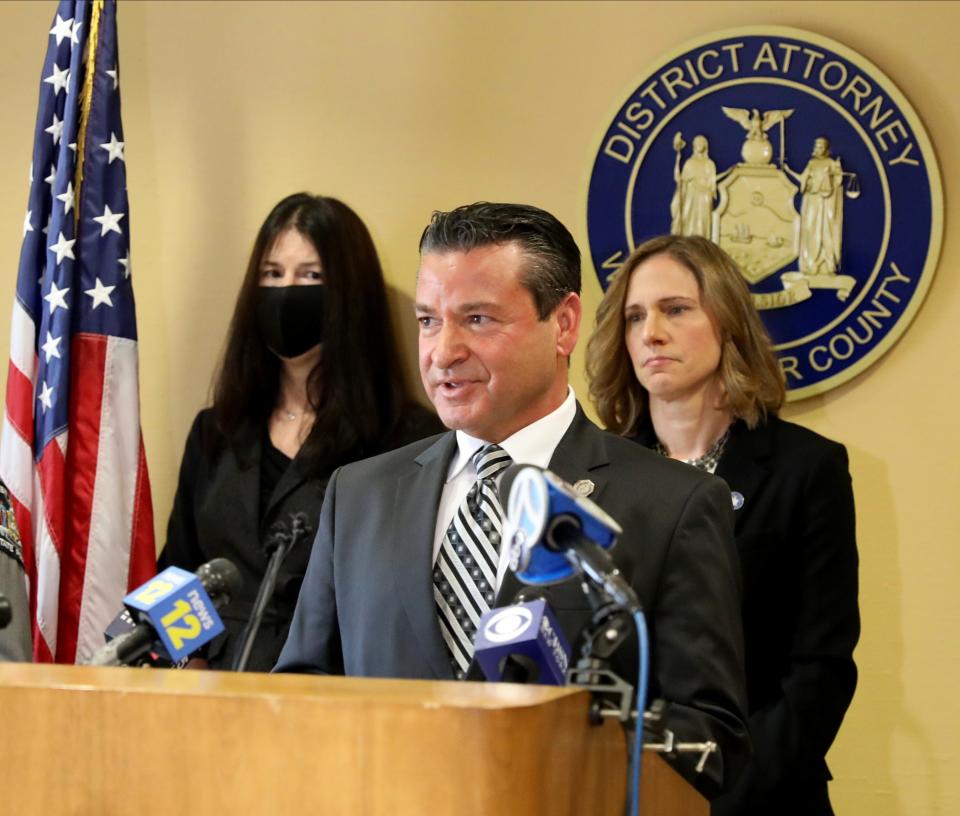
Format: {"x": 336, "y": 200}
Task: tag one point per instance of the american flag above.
{"x": 71, "y": 451}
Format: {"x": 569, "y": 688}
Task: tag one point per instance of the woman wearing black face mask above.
{"x": 310, "y": 380}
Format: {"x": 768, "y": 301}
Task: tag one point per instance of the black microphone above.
{"x": 220, "y": 579}
{"x": 6, "y": 613}
{"x": 277, "y": 545}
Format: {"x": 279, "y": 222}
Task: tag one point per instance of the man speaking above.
{"x": 407, "y": 555}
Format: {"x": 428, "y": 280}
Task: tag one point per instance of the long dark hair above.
{"x": 356, "y": 389}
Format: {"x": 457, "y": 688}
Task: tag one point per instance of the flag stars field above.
{"x": 51, "y": 348}
{"x": 55, "y": 129}
{"x": 114, "y": 149}
{"x": 57, "y": 297}
{"x": 63, "y": 248}
{"x": 46, "y": 396}
{"x": 109, "y": 221}
{"x": 100, "y": 294}
{"x": 59, "y": 79}
{"x": 67, "y": 198}
{"x": 63, "y": 29}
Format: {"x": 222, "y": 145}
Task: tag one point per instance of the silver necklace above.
{"x": 709, "y": 460}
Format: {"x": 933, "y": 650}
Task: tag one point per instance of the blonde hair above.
{"x": 749, "y": 372}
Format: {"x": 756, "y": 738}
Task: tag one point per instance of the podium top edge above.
{"x": 227, "y": 684}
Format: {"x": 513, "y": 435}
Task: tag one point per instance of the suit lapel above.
{"x": 245, "y": 493}
{"x": 294, "y": 476}
{"x": 581, "y": 454}
{"x": 415, "y": 517}
{"x": 742, "y": 465}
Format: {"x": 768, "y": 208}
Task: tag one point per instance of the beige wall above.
{"x": 403, "y": 108}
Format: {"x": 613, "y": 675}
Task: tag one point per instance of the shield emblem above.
{"x": 756, "y": 220}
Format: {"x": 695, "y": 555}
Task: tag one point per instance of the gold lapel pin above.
{"x": 584, "y": 487}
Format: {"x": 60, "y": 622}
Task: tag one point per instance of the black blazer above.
{"x": 367, "y": 607}
{"x": 795, "y": 533}
{"x": 216, "y": 513}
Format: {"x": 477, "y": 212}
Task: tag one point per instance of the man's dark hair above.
{"x": 553, "y": 259}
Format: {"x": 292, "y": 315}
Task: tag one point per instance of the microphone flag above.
{"x": 540, "y": 503}
{"x": 179, "y": 609}
{"x": 524, "y": 639}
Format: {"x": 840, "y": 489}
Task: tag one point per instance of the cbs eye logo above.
{"x": 508, "y": 624}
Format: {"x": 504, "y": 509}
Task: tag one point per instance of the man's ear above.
{"x": 567, "y": 320}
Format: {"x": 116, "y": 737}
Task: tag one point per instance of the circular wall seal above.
{"x": 806, "y": 164}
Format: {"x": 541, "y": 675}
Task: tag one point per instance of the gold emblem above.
{"x": 756, "y": 220}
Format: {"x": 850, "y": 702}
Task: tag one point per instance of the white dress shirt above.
{"x": 532, "y": 445}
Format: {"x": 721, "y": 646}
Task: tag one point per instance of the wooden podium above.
{"x": 83, "y": 740}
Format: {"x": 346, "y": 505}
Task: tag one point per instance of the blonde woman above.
{"x": 680, "y": 362}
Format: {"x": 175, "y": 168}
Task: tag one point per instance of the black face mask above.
{"x": 291, "y": 318}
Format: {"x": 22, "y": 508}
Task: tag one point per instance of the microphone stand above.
{"x": 612, "y": 695}
{"x": 278, "y": 545}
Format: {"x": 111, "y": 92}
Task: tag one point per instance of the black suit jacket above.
{"x": 795, "y": 533}
{"x": 217, "y": 513}
{"x": 366, "y": 607}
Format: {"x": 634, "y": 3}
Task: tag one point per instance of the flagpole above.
{"x": 86, "y": 95}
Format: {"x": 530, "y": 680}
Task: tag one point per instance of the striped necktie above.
{"x": 465, "y": 575}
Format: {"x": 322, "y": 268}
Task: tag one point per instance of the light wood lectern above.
{"x": 104, "y": 741}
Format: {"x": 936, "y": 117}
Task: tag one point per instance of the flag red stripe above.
{"x": 87, "y": 366}
{"x": 143, "y": 556}
{"x": 20, "y": 402}
{"x": 51, "y": 469}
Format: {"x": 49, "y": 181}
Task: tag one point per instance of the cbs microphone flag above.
{"x": 71, "y": 451}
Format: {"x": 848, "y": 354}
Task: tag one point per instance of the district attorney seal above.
{"x": 802, "y": 160}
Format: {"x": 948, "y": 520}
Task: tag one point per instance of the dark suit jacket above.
{"x": 216, "y": 513}
{"x": 367, "y": 607}
{"x": 795, "y": 533}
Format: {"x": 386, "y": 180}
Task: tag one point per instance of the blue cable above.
{"x": 636, "y": 761}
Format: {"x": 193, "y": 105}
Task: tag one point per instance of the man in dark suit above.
{"x": 401, "y": 567}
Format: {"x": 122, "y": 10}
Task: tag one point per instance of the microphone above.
{"x": 555, "y": 533}
{"x": 277, "y": 545}
{"x": 176, "y": 608}
{"x": 522, "y": 643}
{"x": 6, "y": 613}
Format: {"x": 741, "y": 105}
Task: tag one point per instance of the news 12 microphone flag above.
{"x": 71, "y": 451}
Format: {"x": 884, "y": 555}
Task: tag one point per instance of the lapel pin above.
{"x": 584, "y": 487}
{"x": 737, "y": 498}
